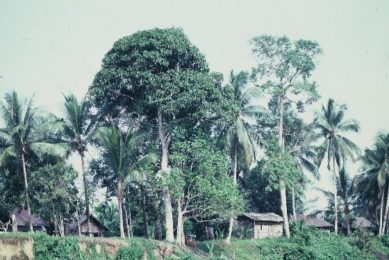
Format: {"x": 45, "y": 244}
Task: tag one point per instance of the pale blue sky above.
{"x": 53, "y": 47}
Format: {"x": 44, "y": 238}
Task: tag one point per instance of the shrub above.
{"x": 48, "y": 247}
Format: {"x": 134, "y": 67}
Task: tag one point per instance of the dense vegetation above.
{"x": 305, "y": 243}
{"x": 180, "y": 151}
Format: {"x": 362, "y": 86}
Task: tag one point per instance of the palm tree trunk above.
{"x": 235, "y": 178}
{"x": 165, "y": 190}
{"x": 86, "y": 193}
{"x": 335, "y": 196}
{"x": 284, "y": 208}
{"x": 145, "y": 215}
{"x": 126, "y": 218}
{"x": 78, "y": 217}
{"x": 294, "y": 205}
{"x": 120, "y": 207}
{"x": 347, "y": 217}
{"x": 386, "y": 212}
{"x": 26, "y": 190}
{"x": 381, "y": 213}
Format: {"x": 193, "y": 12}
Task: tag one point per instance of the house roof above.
{"x": 73, "y": 226}
{"x": 22, "y": 219}
{"x": 271, "y": 217}
{"x": 362, "y": 222}
{"x": 314, "y": 221}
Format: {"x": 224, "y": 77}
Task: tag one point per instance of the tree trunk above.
{"x": 284, "y": 208}
{"x": 209, "y": 232}
{"x": 145, "y": 215}
{"x": 335, "y": 196}
{"x": 120, "y": 207}
{"x": 294, "y": 205}
{"x": 86, "y": 193}
{"x": 158, "y": 225}
{"x": 78, "y": 217}
{"x": 235, "y": 173}
{"x": 165, "y": 191}
{"x": 61, "y": 227}
{"x": 386, "y": 212}
{"x": 381, "y": 213}
{"x": 180, "y": 240}
{"x": 130, "y": 233}
{"x": 126, "y": 218}
{"x": 347, "y": 218}
{"x": 26, "y": 191}
{"x": 14, "y": 222}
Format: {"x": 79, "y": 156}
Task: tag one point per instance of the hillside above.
{"x": 306, "y": 243}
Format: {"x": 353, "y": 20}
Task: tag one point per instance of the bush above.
{"x": 48, "y": 247}
{"x": 136, "y": 250}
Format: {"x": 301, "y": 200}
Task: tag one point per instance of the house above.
{"x": 361, "y": 222}
{"x": 315, "y": 222}
{"x": 259, "y": 225}
{"x": 98, "y": 229}
{"x": 20, "y": 221}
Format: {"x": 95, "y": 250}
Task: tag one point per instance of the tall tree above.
{"x": 241, "y": 114}
{"x": 335, "y": 147}
{"x": 121, "y": 156}
{"x": 283, "y": 70}
{"x": 78, "y": 129}
{"x": 162, "y": 77}
{"x": 26, "y": 133}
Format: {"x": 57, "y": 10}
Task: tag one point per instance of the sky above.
{"x": 49, "y": 48}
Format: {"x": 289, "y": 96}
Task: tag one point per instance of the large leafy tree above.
{"x": 55, "y": 193}
{"x": 121, "y": 156}
{"x": 374, "y": 180}
{"x": 335, "y": 147}
{"x": 162, "y": 77}
{"x": 26, "y": 133}
{"x": 200, "y": 184}
{"x": 78, "y": 130}
{"x": 283, "y": 70}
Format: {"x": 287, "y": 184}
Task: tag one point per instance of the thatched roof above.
{"x": 270, "y": 217}
{"x": 362, "y": 223}
{"x": 83, "y": 219}
{"x": 314, "y": 221}
{"x": 22, "y": 219}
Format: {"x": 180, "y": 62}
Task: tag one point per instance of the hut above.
{"x": 259, "y": 225}
{"x": 20, "y": 221}
{"x": 315, "y": 222}
{"x": 98, "y": 229}
{"x": 361, "y": 222}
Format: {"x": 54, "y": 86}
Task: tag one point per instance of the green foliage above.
{"x": 282, "y": 167}
{"x": 199, "y": 178}
{"x": 137, "y": 249}
{"x": 305, "y": 243}
{"x": 48, "y": 247}
{"x": 54, "y": 189}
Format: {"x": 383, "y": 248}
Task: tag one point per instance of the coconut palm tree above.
{"x": 242, "y": 113}
{"x": 121, "y": 155}
{"x": 335, "y": 146}
{"x": 375, "y": 178}
{"x": 78, "y": 130}
{"x": 346, "y": 191}
{"x": 304, "y": 154}
{"x": 26, "y": 133}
